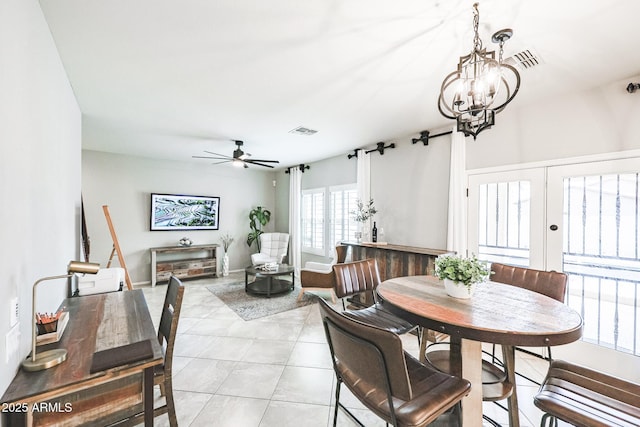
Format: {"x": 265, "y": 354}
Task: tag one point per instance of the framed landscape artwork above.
{"x": 182, "y": 212}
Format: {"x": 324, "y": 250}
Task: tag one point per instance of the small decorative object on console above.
{"x": 269, "y": 266}
{"x": 185, "y": 241}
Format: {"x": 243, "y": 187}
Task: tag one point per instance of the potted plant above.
{"x": 460, "y": 275}
{"x": 258, "y": 218}
{"x": 226, "y": 240}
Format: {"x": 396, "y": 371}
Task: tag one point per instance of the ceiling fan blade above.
{"x": 215, "y": 154}
{"x": 212, "y": 158}
{"x": 258, "y": 164}
{"x": 263, "y": 161}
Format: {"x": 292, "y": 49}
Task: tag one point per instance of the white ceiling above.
{"x": 170, "y": 78}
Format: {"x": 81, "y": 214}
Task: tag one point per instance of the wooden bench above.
{"x": 583, "y": 397}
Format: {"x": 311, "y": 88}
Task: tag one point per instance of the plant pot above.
{"x": 225, "y": 265}
{"x": 458, "y": 290}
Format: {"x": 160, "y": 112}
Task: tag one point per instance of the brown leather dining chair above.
{"x": 167, "y": 331}
{"x": 550, "y": 283}
{"x": 361, "y": 278}
{"x": 394, "y": 385}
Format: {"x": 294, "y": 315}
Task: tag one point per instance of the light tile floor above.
{"x": 274, "y": 371}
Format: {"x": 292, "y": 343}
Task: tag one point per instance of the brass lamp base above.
{"x": 45, "y": 360}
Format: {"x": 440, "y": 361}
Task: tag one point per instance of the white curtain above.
{"x": 295, "y": 189}
{"x": 363, "y": 177}
{"x": 457, "y": 217}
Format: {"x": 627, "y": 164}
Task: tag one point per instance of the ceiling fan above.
{"x": 239, "y": 158}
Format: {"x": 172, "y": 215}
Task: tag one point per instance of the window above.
{"x": 324, "y": 224}
{"x": 343, "y": 201}
{"x": 312, "y": 216}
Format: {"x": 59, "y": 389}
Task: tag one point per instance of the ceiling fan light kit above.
{"x": 481, "y": 86}
{"x": 239, "y": 159}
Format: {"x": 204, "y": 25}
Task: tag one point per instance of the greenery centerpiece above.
{"x": 455, "y": 271}
{"x": 362, "y": 213}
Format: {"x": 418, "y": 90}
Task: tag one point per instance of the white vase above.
{"x": 458, "y": 290}
{"x": 225, "y": 265}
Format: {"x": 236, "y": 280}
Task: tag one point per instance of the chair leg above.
{"x": 333, "y": 296}
{"x": 171, "y": 408}
{"x": 335, "y": 413}
{"x": 548, "y": 420}
{"x": 300, "y": 295}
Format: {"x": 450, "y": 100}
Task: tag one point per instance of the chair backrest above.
{"x": 341, "y": 254}
{"x": 550, "y": 283}
{"x": 274, "y": 244}
{"x": 367, "y": 358}
{"x": 356, "y": 277}
{"x": 169, "y": 320}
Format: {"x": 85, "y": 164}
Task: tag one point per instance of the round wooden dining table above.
{"x": 496, "y": 313}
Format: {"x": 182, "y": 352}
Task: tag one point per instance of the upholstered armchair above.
{"x": 317, "y": 276}
{"x": 273, "y": 248}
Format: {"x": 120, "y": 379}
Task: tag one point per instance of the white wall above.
{"x": 39, "y": 171}
{"x": 124, "y": 183}
{"x": 410, "y": 186}
{"x": 589, "y": 122}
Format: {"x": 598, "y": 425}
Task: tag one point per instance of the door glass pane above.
{"x": 600, "y": 254}
{"x": 504, "y": 222}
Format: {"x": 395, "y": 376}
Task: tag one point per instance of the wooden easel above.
{"x": 116, "y": 248}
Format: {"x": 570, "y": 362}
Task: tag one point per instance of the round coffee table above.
{"x": 267, "y": 282}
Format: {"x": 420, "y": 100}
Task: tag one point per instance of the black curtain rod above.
{"x": 425, "y": 136}
{"x": 301, "y": 166}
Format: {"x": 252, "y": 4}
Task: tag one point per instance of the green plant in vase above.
{"x": 258, "y": 218}
{"x": 461, "y": 271}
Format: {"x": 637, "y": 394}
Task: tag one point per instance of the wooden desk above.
{"x": 497, "y": 313}
{"x": 68, "y": 394}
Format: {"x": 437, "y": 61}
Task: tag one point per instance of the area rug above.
{"x": 251, "y": 307}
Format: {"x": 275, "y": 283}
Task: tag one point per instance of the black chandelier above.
{"x": 481, "y": 87}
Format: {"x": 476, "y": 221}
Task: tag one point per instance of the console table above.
{"x": 396, "y": 260}
{"x": 184, "y": 262}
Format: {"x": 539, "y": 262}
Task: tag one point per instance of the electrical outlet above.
{"x": 14, "y": 314}
{"x": 12, "y": 343}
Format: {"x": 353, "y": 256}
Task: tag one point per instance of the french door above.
{"x": 583, "y": 219}
{"x": 505, "y": 217}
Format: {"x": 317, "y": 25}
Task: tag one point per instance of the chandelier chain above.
{"x": 477, "y": 42}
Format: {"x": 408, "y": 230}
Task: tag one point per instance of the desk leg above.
{"x": 147, "y": 396}
{"x": 472, "y": 371}
{"x": 509, "y": 358}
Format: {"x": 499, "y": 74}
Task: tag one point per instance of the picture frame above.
{"x": 171, "y": 212}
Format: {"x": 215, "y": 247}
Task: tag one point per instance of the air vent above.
{"x": 525, "y": 59}
{"x": 301, "y": 130}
